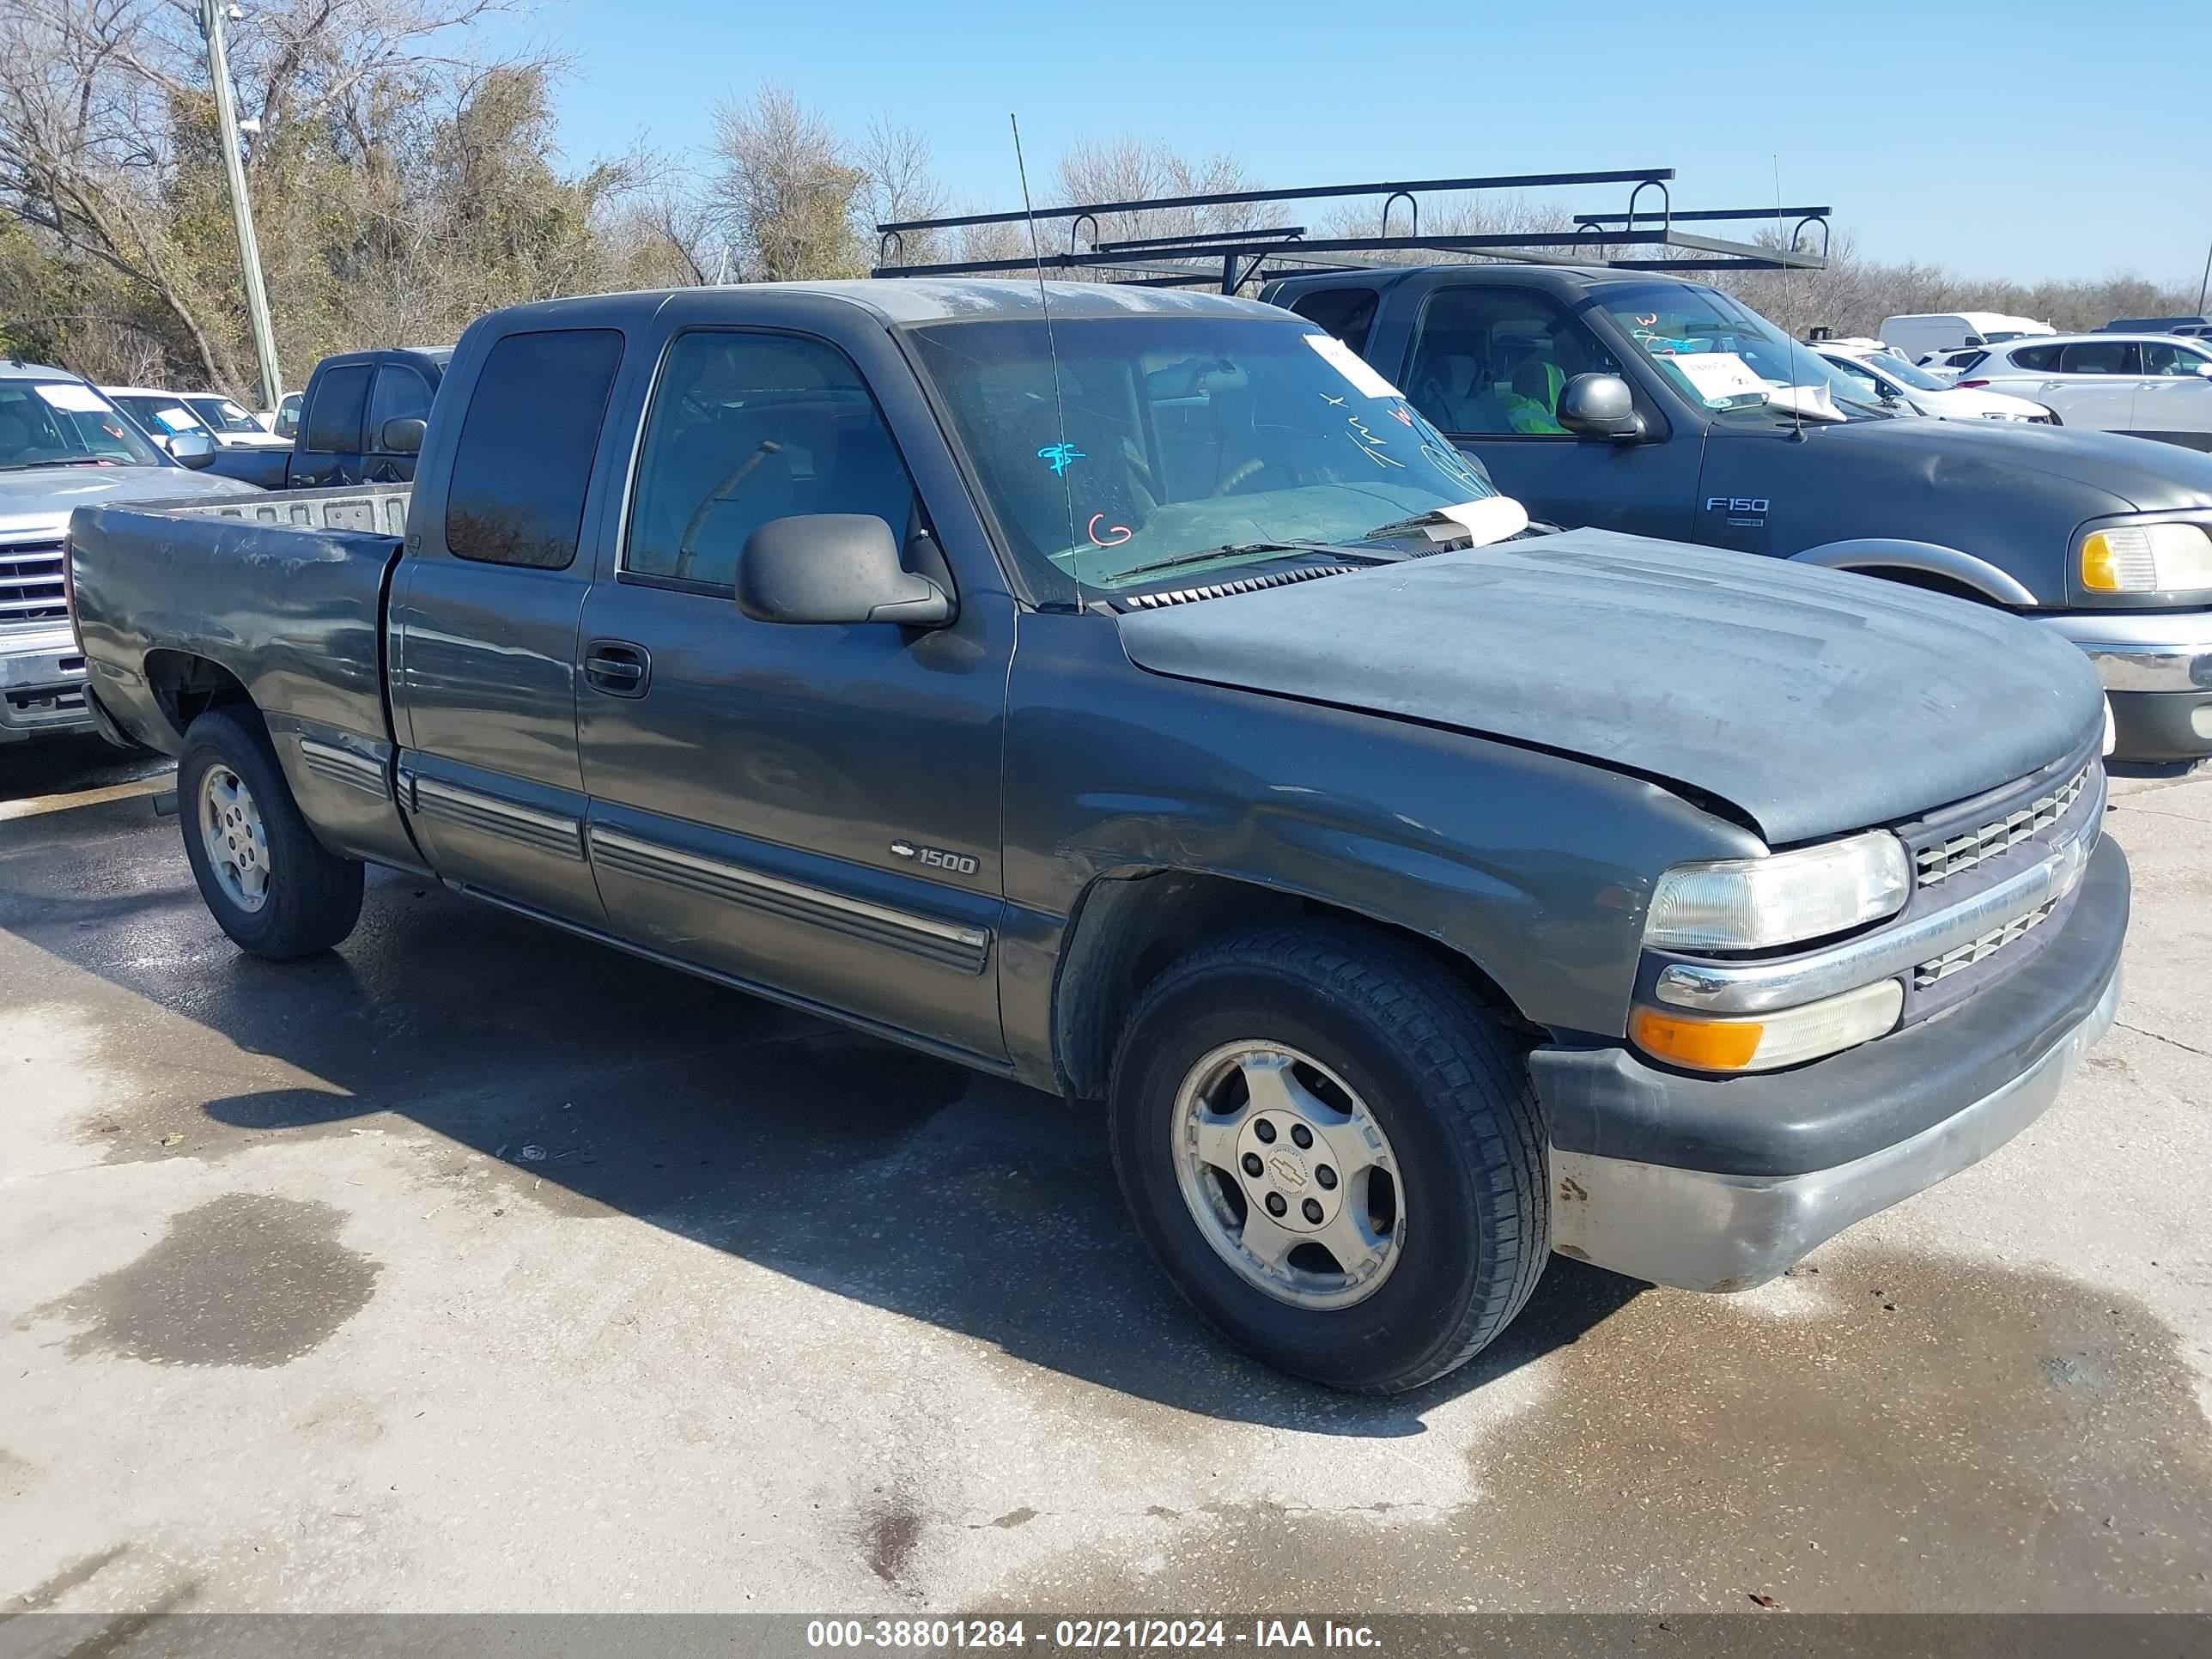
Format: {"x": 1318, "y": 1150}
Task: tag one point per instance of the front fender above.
{"x": 1534, "y": 867}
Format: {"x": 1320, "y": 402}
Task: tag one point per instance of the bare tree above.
{"x": 899, "y": 185}
{"x": 783, "y": 189}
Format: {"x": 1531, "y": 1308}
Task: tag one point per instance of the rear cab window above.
{"x": 527, "y": 441}
{"x": 334, "y": 415}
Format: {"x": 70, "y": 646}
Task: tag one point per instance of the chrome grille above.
{"x": 1982, "y": 948}
{"x": 1963, "y": 852}
{"x": 31, "y": 585}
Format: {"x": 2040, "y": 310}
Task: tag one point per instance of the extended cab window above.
{"x": 745, "y": 427}
{"x": 334, "y": 418}
{"x": 525, "y": 455}
{"x": 1346, "y": 313}
{"x": 1492, "y": 361}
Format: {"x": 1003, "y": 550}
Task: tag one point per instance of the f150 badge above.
{"x": 1741, "y": 509}
{"x": 934, "y": 858}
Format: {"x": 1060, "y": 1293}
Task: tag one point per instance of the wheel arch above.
{"x": 1128, "y": 927}
{"x": 186, "y": 685}
{"x": 1928, "y": 565}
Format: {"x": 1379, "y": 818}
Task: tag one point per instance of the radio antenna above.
{"x": 1789, "y": 301}
{"x": 1052, "y": 351}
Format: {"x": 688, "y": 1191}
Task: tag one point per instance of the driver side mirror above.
{"x": 1600, "y": 406}
{"x": 835, "y": 567}
{"x": 192, "y": 449}
{"x": 402, "y": 435}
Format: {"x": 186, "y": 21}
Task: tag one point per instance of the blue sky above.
{"x": 2021, "y": 140}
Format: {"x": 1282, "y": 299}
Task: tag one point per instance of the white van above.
{"x": 1918, "y": 337}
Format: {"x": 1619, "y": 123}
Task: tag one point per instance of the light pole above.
{"x": 249, "y": 251}
{"x": 2204, "y": 281}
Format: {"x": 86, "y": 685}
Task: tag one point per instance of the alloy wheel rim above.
{"x": 235, "y": 838}
{"x": 1288, "y": 1175}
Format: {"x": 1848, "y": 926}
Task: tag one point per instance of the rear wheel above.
{"x": 1335, "y": 1152}
{"x": 268, "y": 882}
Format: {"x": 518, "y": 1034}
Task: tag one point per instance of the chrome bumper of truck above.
{"x": 41, "y": 684}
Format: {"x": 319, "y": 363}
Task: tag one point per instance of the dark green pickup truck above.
{"x": 1144, "y": 702}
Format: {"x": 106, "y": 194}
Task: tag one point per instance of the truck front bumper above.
{"x": 1719, "y": 1184}
{"x": 42, "y": 685}
{"x": 2157, "y": 669}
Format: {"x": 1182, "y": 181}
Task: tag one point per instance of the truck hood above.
{"x": 41, "y": 500}
{"x": 2115, "y": 474}
{"x": 1814, "y": 701}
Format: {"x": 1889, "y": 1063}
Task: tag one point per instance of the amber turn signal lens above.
{"x": 1710, "y": 1045}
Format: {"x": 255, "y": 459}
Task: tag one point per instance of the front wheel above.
{"x": 268, "y": 883}
{"x": 1335, "y": 1153}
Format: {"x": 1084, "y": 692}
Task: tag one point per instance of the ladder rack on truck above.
{"x": 1646, "y": 236}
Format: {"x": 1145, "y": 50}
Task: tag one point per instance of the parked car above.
{"x": 1920, "y": 335}
{"x": 2150, "y": 385}
{"x": 1142, "y": 701}
{"x": 62, "y": 444}
{"x": 2189, "y": 327}
{"x": 1882, "y": 377}
{"x": 364, "y": 417}
{"x": 234, "y": 426}
{"x": 1702, "y": 421}
{"x": 162, "y": 415}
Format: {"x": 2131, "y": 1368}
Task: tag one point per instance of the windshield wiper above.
{"x": 1206, "y": 554}
{"x": 81, "y": 460}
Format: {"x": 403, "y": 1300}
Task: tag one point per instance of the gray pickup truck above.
{"x": 1647, "y": 403}
{"x": 64, "y": 444}
{"x": 1143, "y": 702}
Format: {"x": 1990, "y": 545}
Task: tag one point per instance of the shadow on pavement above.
{"x": 595, "y": 1085}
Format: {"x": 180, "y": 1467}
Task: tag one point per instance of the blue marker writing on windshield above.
{"x": 1060, "y": 457}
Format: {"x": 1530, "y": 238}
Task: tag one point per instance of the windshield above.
{"x": 1169, "y": 435}
{"x": 65, "y": 423}
{"x": 162, "y": 416}
{"x": 1727, "y": 357}
{"x": 1905, "y": 373}
{"x": 223, "y": 414}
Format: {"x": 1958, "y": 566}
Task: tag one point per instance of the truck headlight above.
{"x": 1744, "y": 904}
{"x": 1762, "y": 1042}
{"x": 2147, "y": 558}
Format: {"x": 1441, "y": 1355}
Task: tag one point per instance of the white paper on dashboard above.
{"x": 1490, "y": 520}
{"x": 1717, "y": 374}
{"x": 1353, "y": 366}
{"x": 68, "y": 395}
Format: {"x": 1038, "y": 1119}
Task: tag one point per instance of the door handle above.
{"x": 617, "y": 668}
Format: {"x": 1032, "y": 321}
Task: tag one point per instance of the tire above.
{"x": 309, "y": 898}
{"x": 1463, "y": 1219}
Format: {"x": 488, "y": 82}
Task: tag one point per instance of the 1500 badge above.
{"x": 934, "y": 858}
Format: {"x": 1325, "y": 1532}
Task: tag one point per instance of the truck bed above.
{"x": 281, "y": 597}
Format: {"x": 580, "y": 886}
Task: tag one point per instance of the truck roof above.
{"x": 14, "y": 368}
{"x": 935, "y": 300}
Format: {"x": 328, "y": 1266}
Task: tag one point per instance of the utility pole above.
{"x": 2204, "y": 281}
{"x": 249, "y": 251}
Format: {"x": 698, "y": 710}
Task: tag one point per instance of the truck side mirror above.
{"x": 1600, "y": 406}
{"x": 402, "y": 435}
{"x": 834, "y": 567}
{"x": 192, "y": 449}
